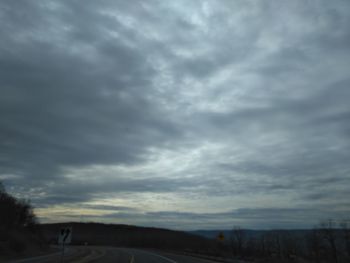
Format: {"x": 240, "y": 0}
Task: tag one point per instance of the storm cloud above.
{"x": 182, "y": 114}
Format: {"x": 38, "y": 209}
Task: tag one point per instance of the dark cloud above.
{"x": 111, "y": 208}
{"x": 78, "y": 191}
{"x": 200, "y": 107}
{"x": 249, "y": 217}
{"x": 60, "y": 109}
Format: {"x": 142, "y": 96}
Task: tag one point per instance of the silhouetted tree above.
{"x": 238, "y": 240}
{"x": 345, "y": 229}
{"x": 15, "y": 212}
{"x": 328, "y": 234}
{"x": 314, "y": 245}
{"x": 274, "y": 241}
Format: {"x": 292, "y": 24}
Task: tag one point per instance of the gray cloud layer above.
{"x": 242, "y": 105}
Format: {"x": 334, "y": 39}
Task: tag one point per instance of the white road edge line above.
{"x": 157, "y": 255}
{"x": 132, "y": 259}
{"x": 34, "y": 258}
{"x": 93, "y": 255}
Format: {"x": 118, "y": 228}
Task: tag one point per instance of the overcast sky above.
{"x": 179, "y": 114}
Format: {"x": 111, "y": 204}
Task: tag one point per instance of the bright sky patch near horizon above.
{"x": 178, "y": 114}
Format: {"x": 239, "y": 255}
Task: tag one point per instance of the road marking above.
{"x": 35, "y": 258}
{"x": 93, "y": 255}
{"x": 157, "y": 255}
{"x": 202, "y": 258}
{"x": 132, "y": 259}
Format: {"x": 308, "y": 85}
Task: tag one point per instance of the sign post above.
{"x": 64, "y": 237}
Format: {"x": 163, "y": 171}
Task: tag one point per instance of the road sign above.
{"x": 65, "y": 235}
{"x": 221, "y": 237}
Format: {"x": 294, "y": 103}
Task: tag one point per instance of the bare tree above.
{"x": 263, "y": 246}
{"x": 238, "y": 240}
{"x": 345, "y": 227}
{"x": 290, "y": 244}
{"x": 314, "y": 245}
{"x": 275, "y": 243}
{"x": 19, "y": 213}
{"x": 328, "y": 233}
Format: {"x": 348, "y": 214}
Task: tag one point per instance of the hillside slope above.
{"x": 128, "y": 236}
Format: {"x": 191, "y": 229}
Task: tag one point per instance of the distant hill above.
{"x": 128, "y": 236}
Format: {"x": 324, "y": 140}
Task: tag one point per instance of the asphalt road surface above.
{"x": 87, "y": 254}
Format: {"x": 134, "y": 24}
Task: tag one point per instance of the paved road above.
{"x": 143, "y": 256}
{"x": 72, "y": 254}
{"x": 112, "y": 255}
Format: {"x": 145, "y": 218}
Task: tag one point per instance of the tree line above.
{"x": 328, "y": 242}
{"x": 15, "y": 213}
{"x": 19, "y": 230}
